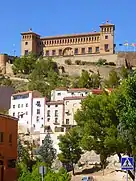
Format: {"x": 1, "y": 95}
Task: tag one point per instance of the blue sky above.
{"x": 52, "y": 17}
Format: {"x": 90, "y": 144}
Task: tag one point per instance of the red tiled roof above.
{"x": 70, "y": 35}
{"x": 54, "y": 102}
{"x": 78, "y": 89}
{"x": 74, "y": 98}
{"x": 100, "y": 91}
{"x": 20, "y": 93}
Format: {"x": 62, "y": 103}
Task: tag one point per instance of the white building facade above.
{"x": 40, "y": 115}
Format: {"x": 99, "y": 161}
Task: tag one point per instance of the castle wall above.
{"x": 3, "y": 60}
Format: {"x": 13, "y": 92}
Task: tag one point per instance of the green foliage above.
{"x": 25, "y": 64}
{"x": 124, "y": 72}
{"x": 68, "y": 62}
{"x": 113, "y": 80}
{"x": 107, "y": 123}
{"x": 78, "y": 62}
{"x": 25, "y": 175}
{"x": 5, "y": 81}
{"x": 111, "y": 64}
{"x": 89, "y": 81}
{"x": 101, "y": 62}
{"x": 23, "y": 154}
{"x": 69, "y": 147}
{"x": 45, "y": 77}
{"x": 46, "y": 151}
{"x": 98, "y": 123}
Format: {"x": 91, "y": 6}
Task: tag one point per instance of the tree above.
{"x": 124, "y": 72}
{"x": 70, "y": 149}
{"x": 5, "y": 81}
{"x": 24, "y": 64}
{"x": 113, "y": 80}
{"x": 95, "y": 80}
{"x": 107, "y": 122}
{"x": 45, "y": 77}
{"x": 84, "y": 80}
{"x": 23, "y": 154}
{"x": 98, "y": 122}
{"x": 46, "y": 151}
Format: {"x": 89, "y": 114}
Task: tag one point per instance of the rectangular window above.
{"x": 26, "y": 43}
{"x": 56, "y": 113}
{"x": 10, "y": 138}
{"x": 38, "y": 111}
{"x": 38, "y": 103}
{"x": 53, "y": 52}
{"x": 106, "y": 47}
{"x": 37, "y": 118}
{"x": 48, "y": 119}
{"x": 21, "y": 105}
{"x": 67, "y": 121}
{"x": 58, "y": 93}
{"x": 26, "y": 104}
{"x": 56, "y": 105}
{"x": 48, "y": 105}
{"x": 13, "y": 106}
{"x": 18, "y": 105}
{"x": 83, "y": 50}
{"x": 1, "y": 137}
{"x": 48, "y": 113}
{"x": 76, "y": 51}
{"x": 47, "y": 53}
{"x": 97, "y": 49}
{"x": 89, "y": 49}
{"x": 60, "y": 51}
{"x": 13, "y": 114}
{"x": 12, "y": 163}
{"x": 26, "y": 113}
{"x": 56, "y": 120}
{"x": 26, "y": 52}
{"x": 106, "y": 37}
{"x": 21, "y": 115}
{"x": 42, "y": 141}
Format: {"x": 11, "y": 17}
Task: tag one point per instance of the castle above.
{"x": 92, "y": 43}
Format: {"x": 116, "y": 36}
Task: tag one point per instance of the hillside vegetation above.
{"x": 43, "y": 74}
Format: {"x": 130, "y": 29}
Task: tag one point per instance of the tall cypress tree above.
{"x": 47, "y": 151}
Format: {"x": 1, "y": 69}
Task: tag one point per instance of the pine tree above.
{"x": 46, "y": 151}
{"x": 23, "y": 154}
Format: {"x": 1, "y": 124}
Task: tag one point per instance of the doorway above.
{"x": 1, "y": 170}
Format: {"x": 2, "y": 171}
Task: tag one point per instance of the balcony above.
{"x": 56, "y": 123}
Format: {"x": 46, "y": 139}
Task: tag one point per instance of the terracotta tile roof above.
{"x": 54, "y": 102}
{"x": 20, "y": 93}
{"x": 100, "y": 91}
{"x": 78, "y": 89}
{"x": 71, "y": 89}
{"x": 71, "y": 35}
{"x": 74, "y": 98}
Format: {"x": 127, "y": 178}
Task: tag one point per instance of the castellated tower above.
{"x": 107, "y": 38}
{"x": 3, "y": 61}
{"x": 31, "y": 43}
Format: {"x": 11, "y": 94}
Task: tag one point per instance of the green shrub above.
{"x": 101, "y": 61}
{"x": 78, "y": 62}
{"x": 111, "y": 64}
{"x": 68, "y": 62}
